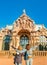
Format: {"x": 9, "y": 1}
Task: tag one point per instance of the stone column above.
{"x": 17, "y": 41}
{"x": 1, "y": 44}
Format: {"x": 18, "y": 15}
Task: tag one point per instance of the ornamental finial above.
{"x": 24, "y": 11}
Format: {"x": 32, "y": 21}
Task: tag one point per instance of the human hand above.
{"x": 29, "y": 56}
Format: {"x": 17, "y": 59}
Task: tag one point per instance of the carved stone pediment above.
{"x": 24, "y": 22}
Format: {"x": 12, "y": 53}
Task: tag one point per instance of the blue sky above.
{"x": 10, "y": 10}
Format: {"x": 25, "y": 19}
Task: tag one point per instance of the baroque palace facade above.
{"x": 22, "y": 32}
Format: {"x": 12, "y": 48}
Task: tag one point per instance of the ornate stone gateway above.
{"x": 22, "y": 32}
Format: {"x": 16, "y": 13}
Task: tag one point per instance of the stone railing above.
{"x": 6, "y": 53}
{"x": 40, "y": 53}
{"x": 10, "y": 53}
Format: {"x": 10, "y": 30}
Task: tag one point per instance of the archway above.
{"x": 24, "y": 39}
{"x": 24, "y": 35}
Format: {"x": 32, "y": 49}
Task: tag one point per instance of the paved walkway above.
{"x": 37, "y": 61}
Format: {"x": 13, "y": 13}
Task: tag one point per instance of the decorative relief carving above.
{"x": 24, "y": 25}
{"x": 24, "y": 22}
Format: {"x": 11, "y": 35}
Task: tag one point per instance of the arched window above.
{"x": 24, "y": 40}
{"x": 42, "y": 41}
{"x": 6, "y": 41}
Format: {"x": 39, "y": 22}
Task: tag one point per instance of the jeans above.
{"x": 18, "y": 63}
{"x": 29, "y": 61}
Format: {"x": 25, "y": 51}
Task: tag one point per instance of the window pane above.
{"x": 6, "y": 42}
{"x": 24, "y": 40}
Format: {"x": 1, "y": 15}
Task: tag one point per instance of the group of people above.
{"x": 26, "y": 53}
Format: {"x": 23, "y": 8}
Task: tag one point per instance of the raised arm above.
{"x": 13, "y": 47}
{"x": 34, "y": 47}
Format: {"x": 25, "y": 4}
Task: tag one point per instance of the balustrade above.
{"x": 10, "y": 53}
{"x": 40, "y": 53}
